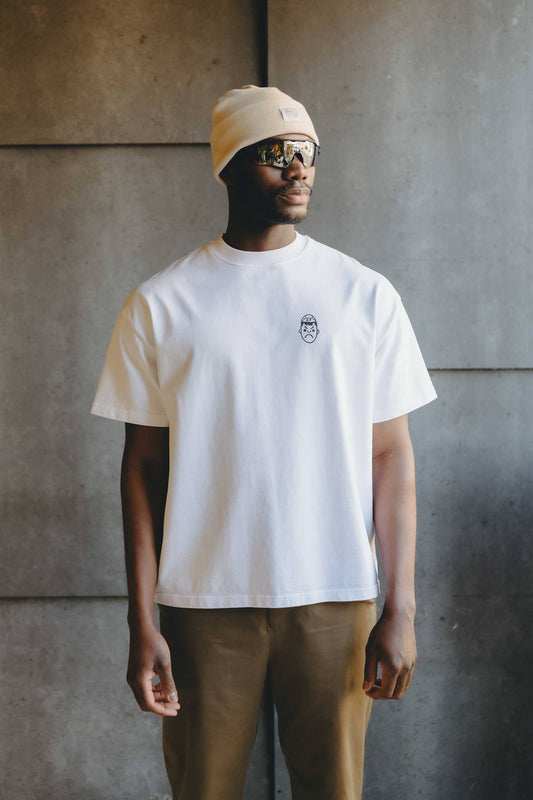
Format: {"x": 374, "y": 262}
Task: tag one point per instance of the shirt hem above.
{"x": 266, "y": 600}
{"x": 122, "y": 415}
{"x": 382, "y": 415}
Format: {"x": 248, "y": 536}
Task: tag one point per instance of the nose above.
{"x": 296, "y": 170}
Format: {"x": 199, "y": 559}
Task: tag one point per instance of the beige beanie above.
{"x": 251, "y": 114}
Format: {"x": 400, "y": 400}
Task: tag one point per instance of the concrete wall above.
{"x": 424, "y": 112}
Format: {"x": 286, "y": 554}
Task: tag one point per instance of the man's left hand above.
{"x": 392, "y": 644}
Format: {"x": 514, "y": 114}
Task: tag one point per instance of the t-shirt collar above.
{"x": 259, "y": 258}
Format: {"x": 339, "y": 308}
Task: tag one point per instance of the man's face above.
{"x": 269, "y": 194}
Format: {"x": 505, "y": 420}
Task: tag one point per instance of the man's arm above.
{"x": 143, "y": 484}
{"x": 392, "y": 640}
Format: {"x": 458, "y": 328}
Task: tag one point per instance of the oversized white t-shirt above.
{"x": 269, "y": 368}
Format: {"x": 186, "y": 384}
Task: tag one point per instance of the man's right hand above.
{"x": 149, "y": 658}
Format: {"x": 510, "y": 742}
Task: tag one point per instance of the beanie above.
{"x": 251, "y": 114}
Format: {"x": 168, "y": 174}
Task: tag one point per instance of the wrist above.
{"x": 400, "y": 607}
{"x": 141, "y": 617}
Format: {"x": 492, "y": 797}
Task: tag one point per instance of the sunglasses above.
{"x": 280, "y": 152}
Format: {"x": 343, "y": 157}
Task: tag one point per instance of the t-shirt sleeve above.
{"x": 401, "y": 379}
{"x": 129, "y": 389}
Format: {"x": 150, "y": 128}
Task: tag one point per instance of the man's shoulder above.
{"x": 158, "y": 284}
{"x": 369, "y": 276}
{"x": 170, "y": 272}
{"x": 154, "y": 292}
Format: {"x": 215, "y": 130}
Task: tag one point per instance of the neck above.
{"x": 255, "y": 237}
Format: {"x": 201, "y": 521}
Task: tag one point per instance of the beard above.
{"x": 288, "y": 216}
{"x": 283, "y": 218}
{"x": 268, "y": 209}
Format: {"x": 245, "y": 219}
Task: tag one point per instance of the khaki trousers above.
{"x": 315, "y": 659}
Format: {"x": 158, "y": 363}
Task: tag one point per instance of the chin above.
{"x": 287, "y": 219}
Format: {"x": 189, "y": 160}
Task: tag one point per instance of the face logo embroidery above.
{"x": 308, "y": 328}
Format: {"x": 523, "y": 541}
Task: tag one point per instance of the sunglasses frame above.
{"x": 258, "y": 150}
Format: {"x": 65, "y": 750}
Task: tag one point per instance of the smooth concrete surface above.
{"x": 128, "y": 71}
{"x": 424, "y": 113}
{"x": 473, "y": 448}
{"x": 82, "y": 227}
{"x": 71, "y": 728}
{"x": 464, "y": 728}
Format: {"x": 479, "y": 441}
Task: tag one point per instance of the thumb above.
{"x": 168, "y": 687}
{"x": 371, "y": 669}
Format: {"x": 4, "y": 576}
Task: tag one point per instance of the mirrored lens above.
{"x": 279, "y": 153}
{"x": 308, "y": 150}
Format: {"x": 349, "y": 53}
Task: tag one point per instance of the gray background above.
{"x": 425, "y": 118}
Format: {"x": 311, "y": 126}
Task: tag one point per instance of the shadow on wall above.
{"x": 475, "y": 602}
{"x": 464, "y": 728}
{"x": 491, "y": 638}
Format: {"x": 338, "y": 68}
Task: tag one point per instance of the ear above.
{"x": 225, "y": 175}
{"x": 228, "y": 173}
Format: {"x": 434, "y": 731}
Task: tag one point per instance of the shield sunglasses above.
{"x": 280, "y": 152}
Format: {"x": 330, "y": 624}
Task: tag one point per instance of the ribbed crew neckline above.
{"x": 255, "y": 258}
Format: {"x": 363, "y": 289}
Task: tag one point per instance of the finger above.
{"x": 409, "y": 679}
{"x": 401, "y": 684}
{"x": 412, "y": 671}
{"x": 148, "y": 702}
{"x": 373, "y": 689}
{"x": 161, "y": 696}
{"x": 371, "y": 670}
{"x": 166, "y": 683}
{"x": 159, "y": 699}
{"x": 385, "y": 689}
{"x": 164, "y": 709}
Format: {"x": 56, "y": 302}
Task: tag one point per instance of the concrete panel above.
{"x": 426, "y": 163}
{"x": 82, "y": 227}
{"x": 475, "y": 485}
{"x": 128, "y": 71}
{"x": 71, "y": 727}
{"x": 464, "y": 728}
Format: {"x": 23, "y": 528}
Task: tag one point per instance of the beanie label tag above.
{"x": 290, "y": 114}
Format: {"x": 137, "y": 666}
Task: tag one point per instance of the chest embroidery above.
{"x": 308, "y": 328}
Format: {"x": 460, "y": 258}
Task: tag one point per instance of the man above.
{"x": 265, "y": 381}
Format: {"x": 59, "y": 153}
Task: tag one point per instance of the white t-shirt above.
{"x": 269, "y": 369}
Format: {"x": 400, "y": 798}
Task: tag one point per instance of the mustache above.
{"x": 295, "y": 188}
